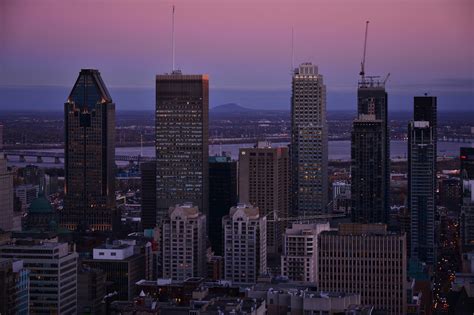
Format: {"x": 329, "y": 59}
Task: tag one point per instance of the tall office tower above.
{"x": 309, "y": 142}
{"x": 148, "y": 191}
{"x": 425, "y": 108}
{"x": 368, "y": 188}
{"x": 182, "y": 171}
{"x": 14, "y": 287}
{"x": 53, "y": 275}
{"x": 184, "y": 243}
{"x": 372, "y": 100}
{"x": 365, "y": 259}
{"x": 467, "y": 163}
{"x": 467, "y": 198}
{"x": 6, "y": 196}
{"x": 222, "y": 196}
{"x": 245, "y": 249}
{"x": 299, "y": 261}
{"x": 89, "y": 163}
{"x": 467, "y": 215}
{"x": 421, "y": 190}
{"x": 264, "y": 182}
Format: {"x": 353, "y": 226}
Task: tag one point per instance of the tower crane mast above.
{"x": 362, "y": 64}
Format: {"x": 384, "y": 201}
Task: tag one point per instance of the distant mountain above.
{"x": 231, "y": 108}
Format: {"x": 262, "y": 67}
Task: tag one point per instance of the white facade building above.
{"x": 299, "y": 261}
{"x": 245, "y": 244}
{"x": 309, "y": 141}
{"x": 184, "y": 243}
{"x": 114, "y": 252}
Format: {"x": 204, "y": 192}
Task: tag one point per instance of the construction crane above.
{"x": 386, "y": 78}
{"x": 362, "y": 64}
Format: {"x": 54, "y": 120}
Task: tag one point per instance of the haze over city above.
{"x": 245, "y": 48}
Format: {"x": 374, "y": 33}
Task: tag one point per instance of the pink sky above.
{"x": 241, "y": 44}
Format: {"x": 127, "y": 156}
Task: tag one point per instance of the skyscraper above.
{"x": 184, "y": 243}
{"x": 368, "y": 260}
{"x": 245, "y": 254}
{"x": 264, "y": 182}
{"x": 467, "y": 199}
{"x": 309, "y": 148}
{"x": 148, "y": 192}
{"x": 467, "y": 215}
{"x": 425, "y": 109}
{"x": 467, "y": 163}
{"x": 368, "y": 188}
{"x": 222, "y": 196}
{"x": 6, "y": 196}
{"x": 6, "y": 191}
{"x": 182, "y": 171}
{"x": 89, "y": 115}
{"x": 421, "y": 190}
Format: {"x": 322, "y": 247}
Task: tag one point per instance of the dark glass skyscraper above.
{"x": 467, "y": 199}
{"x": 148, "y": 192}
{"x": 222, "y": 196}
{"x": 89, "y": 116}
{"x": 467, "y": 162}
{"x": 422, "y": 152}
{"x": 182, "y": 169}
{"x": 367, "y": 170}
{"x": 425, "y": 109}
{"x": 370, "y": 154}
{"x": 421, "y": 189}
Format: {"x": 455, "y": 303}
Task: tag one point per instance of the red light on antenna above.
{"x": 463, "y": 157}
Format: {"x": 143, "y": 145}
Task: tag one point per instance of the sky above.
{"x": 244, "y": 46}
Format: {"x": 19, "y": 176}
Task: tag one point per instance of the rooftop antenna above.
{"x": 292, "y": 50}
{"x": 362, "y": 64}
{"x": 172, "y": 38}
{"x": 141, "y": 144}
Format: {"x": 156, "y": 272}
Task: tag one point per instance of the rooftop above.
{"x": 249, "y": 210}
{"x": 40, "y": 205}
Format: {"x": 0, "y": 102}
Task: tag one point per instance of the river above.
{"x": 338, "y": 150}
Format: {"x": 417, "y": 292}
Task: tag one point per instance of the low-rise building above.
{"x": 14, "y": 287}
{"x": 53, "y": 274}
{"x": 90, "y": 291}
{"x": 299, "y": 261}
{"x": 297, "y": 299}
{"x": 368, "y": 260}
{"x": 122, "y": 266}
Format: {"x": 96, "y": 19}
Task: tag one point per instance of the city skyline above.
{"x": 189, "y": 208}
{"x": 250, "y": 40}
